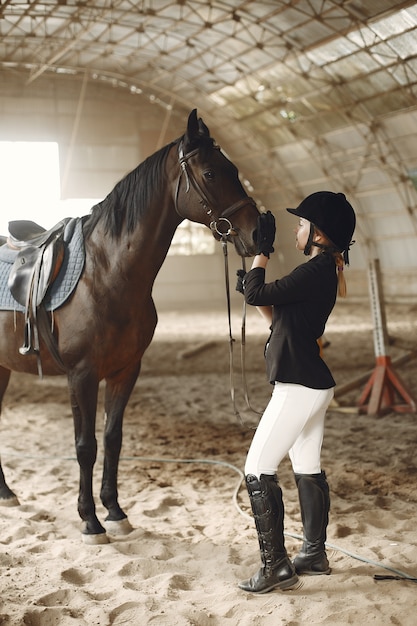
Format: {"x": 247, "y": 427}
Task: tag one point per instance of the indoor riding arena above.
{"x": 106, "y": 107}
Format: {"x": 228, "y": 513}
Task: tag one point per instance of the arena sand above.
{"x": 180, "y": 483}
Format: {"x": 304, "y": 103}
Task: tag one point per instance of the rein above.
{"x": 232, "y": 340}
{"x": 207, "y": 204}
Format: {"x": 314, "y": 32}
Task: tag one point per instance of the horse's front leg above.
{"x": 7, "y": 497}
{"x": 118, "y": 390}
{"x": 83, "y": 392}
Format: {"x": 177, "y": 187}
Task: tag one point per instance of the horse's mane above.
{"x": 130, "y": 197}
{"x": 127, "y": 202}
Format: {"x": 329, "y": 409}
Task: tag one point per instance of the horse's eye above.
{"x": 209, "y": 175}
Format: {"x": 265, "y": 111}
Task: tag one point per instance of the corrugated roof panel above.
{"x": 370, "y": 8}
{"x": 359, "y": 64}
{"x": 364, "y": 37}
{"x": 404, "y": 45}
{"x": 393, "y": 25}
{"x": 319, "y": 125}
{"x": 332, "y": 51}
{"x": 276, "y": 134}
{"x": 351, "y": 139}
{"x": 310, "y": 34}
{"x": 367, "y": 86}
{"x": 383, "y": 104}
{"x": 384, "y": 54}
{"x": 374, "y": 178}
{"x": 289, "y": 17}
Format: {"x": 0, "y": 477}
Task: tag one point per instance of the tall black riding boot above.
{"x": 313, "y": 492}
{"x": 277, "y": 570}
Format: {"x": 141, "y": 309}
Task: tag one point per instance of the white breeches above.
{"x": 292, "y": 423}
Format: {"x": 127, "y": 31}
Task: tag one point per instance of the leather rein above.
{"x": 207, "y": 203}
{"x": 242, "y": 344}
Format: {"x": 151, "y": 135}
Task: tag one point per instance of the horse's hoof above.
{"x": 13, "y": 501}
{"x": 118, "y": 527}
{"x": 95, "y": 540}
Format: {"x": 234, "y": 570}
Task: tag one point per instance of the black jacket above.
{"x": 302, "y": 302}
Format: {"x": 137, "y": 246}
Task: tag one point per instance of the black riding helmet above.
{"x": 333, "y": 215}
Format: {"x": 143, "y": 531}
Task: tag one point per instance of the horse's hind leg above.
{"x": 7, "y": 497}
{"x": 117, "y": 394}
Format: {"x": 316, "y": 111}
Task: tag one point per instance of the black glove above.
{"x": 240, "y": 276}
{"x": 265, "y": 233}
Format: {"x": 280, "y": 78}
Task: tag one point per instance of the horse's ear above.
{"x": 196, "y": 129}
{"x": 192, "y": 126}
{"x": 204, "y": 131}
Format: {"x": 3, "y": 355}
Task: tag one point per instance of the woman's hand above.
{"x": 265, "y": 234}
{"x": 239, "y": 284}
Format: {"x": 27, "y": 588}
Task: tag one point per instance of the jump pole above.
{"x": 384, "y": 392}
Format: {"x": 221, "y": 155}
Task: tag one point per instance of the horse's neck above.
{"x": 137, "y": 256}
{"x": 154, "y": 241}
{"x": 154, "y": 234}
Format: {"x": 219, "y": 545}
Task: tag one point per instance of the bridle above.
{"x": 208, "y": 203}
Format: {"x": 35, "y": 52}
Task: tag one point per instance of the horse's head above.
{"x": 209, "y": 190}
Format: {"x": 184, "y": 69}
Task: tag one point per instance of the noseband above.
{"x": 207, "y": 202}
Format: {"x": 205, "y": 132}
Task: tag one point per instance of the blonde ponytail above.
{"x": 338, "y": 259}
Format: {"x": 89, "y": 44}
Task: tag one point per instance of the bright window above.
{"x": 191, "y": 238}
{"x": 29, "y": 187}
{"x": 30, "y": 190}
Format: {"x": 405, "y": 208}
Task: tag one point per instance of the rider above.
{"x": 297, "y": 307}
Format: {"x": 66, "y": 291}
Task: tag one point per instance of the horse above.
{"x": 104, "y": 327}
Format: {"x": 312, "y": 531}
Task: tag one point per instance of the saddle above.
{"x": 38, "y": 261}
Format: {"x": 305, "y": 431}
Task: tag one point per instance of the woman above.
{"x": 297, "y": 307}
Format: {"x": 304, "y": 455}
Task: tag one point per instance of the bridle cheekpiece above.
{"x": 207, "y": 202}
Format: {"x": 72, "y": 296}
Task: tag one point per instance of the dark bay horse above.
{"x": 104, "y": 328}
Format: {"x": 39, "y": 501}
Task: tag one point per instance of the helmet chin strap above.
{"x": 307, "y": 249}
{"x": 310, "y": 242}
